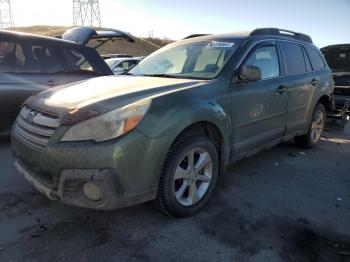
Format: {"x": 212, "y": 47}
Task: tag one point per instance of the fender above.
{"x": 179, "y": 118}
{"x": 184, "y": 116}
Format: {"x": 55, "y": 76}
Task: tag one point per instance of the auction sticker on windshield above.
{"x": 220, "y": 44}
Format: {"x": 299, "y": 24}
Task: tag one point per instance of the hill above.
{"x": 141, "y": 47}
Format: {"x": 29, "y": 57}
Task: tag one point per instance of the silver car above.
{"x": 122, "y": 65}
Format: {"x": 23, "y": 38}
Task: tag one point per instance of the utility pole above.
{"x": 86, "y": 12}
{"x": 6, "y": 17}
{"x": 150, "y": 34}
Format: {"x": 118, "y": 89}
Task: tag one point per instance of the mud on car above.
{"x": 170, "y": 127}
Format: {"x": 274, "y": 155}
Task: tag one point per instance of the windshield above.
{"x": 200, "y": 60}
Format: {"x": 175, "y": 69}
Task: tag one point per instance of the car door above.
{"x": 300, "y": 84}
{"x": 259, "y": 107}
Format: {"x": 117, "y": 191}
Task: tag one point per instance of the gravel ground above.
{"x": 284, "y": 204}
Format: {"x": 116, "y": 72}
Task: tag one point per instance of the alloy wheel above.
{"x": 317, "y": 126}
{"x": 192, "y": 177}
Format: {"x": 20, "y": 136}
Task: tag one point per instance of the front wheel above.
{"x": 315, "y": 129}
{"x": 189, "y": 176}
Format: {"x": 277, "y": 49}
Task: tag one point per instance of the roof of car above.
{"x": 27, "y": 36}
{"x": 260, "y": 33}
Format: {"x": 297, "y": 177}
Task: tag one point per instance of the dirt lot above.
{"x": 284, "y": 204}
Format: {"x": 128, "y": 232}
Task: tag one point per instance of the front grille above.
{"x": 34, "y": 127}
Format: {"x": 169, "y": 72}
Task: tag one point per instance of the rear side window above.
{"x": 266, "y": 59}
{"x": 316, "y": 60}
{"x": 307, "y": 60}
{"x": 42, "y": 59}
{"x": 26, "y": 57}
{"x": 293, "y": 58}
{"x": 12, "y": 58}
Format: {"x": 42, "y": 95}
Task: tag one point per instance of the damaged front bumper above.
{"x": 70, "y": 190}
{"x": 102, "y": 176}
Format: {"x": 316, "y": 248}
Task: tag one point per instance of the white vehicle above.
{"x": 121, "y": 65}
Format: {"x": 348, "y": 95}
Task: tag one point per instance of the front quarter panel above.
{"x": 170, "y": 114}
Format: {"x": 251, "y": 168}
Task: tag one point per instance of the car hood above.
{"x": 338, "y": 57}
{"x": 79, "y": 101}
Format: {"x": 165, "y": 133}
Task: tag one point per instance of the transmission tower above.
{"x": 6, "y": 18}
{"x": 86, "y": 12}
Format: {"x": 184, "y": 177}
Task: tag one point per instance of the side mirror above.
{"x": 249, "y": 73}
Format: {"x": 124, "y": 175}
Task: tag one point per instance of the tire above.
{"x": 183, "y": 188}
{"x": 315, "y": 130}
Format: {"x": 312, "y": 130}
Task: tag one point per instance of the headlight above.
{"x": 108, "y": 125}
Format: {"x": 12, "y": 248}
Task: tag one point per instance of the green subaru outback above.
{"x": 167, "y": 129}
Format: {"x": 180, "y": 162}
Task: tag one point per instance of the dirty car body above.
{"x": 30, "y": 64}
{"x": 111, "y": 142}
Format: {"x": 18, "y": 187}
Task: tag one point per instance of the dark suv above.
{"x": 30, "y": 64}
{"x": 168, "y": 129}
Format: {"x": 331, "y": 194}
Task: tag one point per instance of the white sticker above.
{"x": 220, "y": 44}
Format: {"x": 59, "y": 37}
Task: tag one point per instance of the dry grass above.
{"x": 142, "y": 46}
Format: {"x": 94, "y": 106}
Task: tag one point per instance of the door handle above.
{"x": 314, "y": 81}
{"x": 281, "y": 89}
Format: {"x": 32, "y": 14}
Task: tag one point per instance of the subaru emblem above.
{"x": 30, "y": 116}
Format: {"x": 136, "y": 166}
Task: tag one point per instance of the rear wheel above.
{"x": 315, "y": 130}
{"x": 189, "y": 176}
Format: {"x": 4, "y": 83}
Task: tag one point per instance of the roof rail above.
{"x": 282, "y": 32}
{"x": 195, "y": 35}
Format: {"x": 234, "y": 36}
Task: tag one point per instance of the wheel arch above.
{"x": 214, "y": 133}
{"x": 326, "y": 102}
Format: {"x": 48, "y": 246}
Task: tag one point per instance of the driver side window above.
{"x": 266, "y": 59}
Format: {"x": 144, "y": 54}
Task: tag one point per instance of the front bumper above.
{"x": 126, "y": 170}
{"x": 70, "y": 190}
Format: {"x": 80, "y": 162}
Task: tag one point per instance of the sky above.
{"x": 326, "y": 21}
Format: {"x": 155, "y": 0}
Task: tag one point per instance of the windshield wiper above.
{"x": 161, "y": 75}
{"x": 171, "y": 76}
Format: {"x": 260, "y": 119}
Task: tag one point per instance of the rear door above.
{"x": 260, "y": 107}
{"x": 300, "y": 82}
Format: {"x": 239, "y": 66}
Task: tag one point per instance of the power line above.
{"x": 6, "y": 17}
{"x": 86, "y": 12}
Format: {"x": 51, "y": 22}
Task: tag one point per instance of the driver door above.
{"x": 259, "y": 107}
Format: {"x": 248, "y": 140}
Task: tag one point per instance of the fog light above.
{"x": 92, "y": 191}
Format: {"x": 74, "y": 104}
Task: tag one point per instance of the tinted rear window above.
{"x": 315, "y": 57}
{"x": 28, "y": 58}
{"x": 293, "y": 57}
